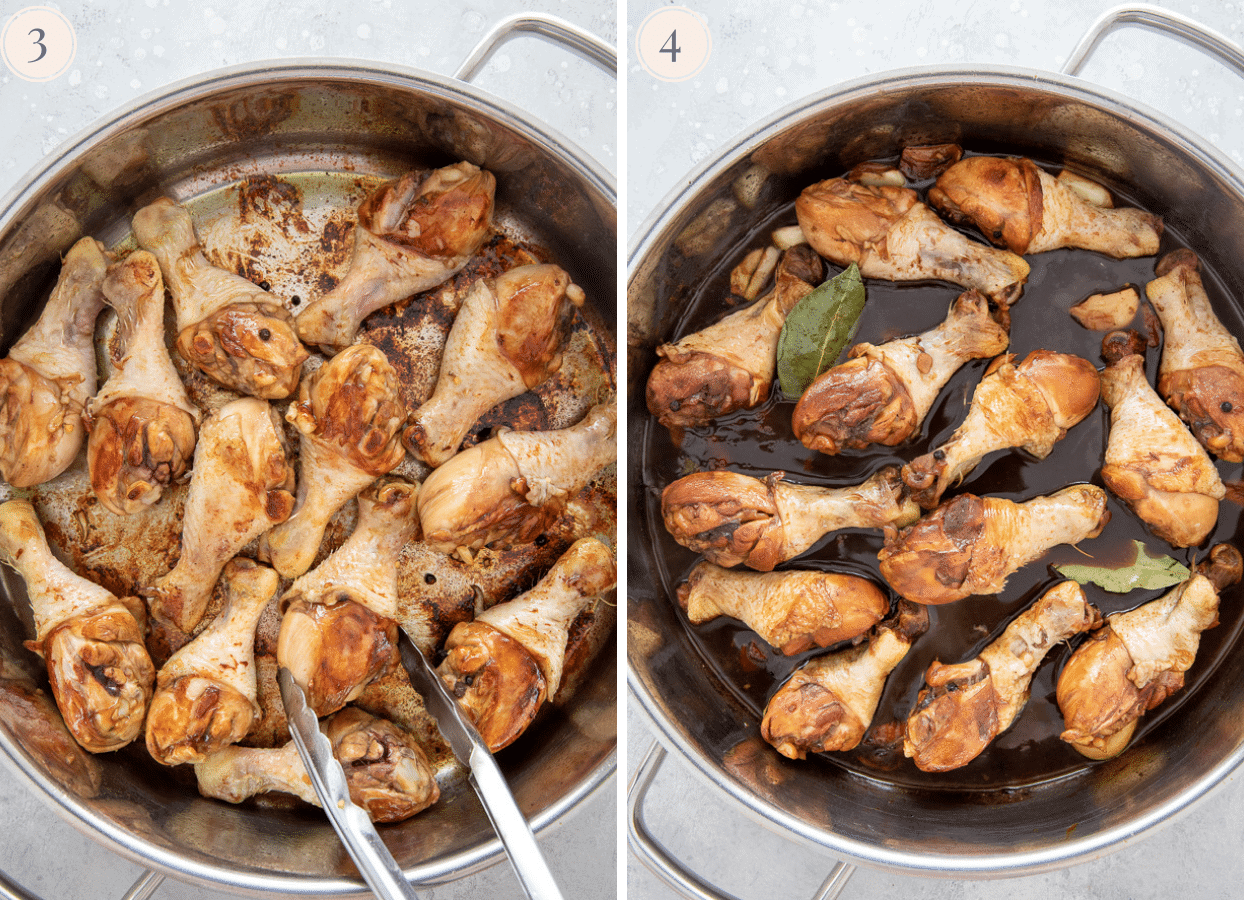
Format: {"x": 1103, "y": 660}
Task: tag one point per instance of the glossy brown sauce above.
{"x": 759, "y": 441}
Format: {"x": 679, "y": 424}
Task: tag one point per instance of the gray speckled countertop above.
{"x": 765, "y": 56}
{"x": 129, "y": 48}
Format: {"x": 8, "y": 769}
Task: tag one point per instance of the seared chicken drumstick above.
{"x": 964, "y": 706}
{"x": 1139, "y": 659}
{"x": 971, "y": 545}
{"x": 207, "y": 693}
{"x": 388, "y": 774}
{"x": 349, "y": 416}
{"x": 507, "y": 662}
{"x": 413, "y": 233}
{"x": 734, "y": 519}
{"x": 49, "y": 374}
{"x": 1152, "y": 461}
{"x": 1201, "y": 374}
{"x": 1018, "y": 206}
{"x": 792, "y": 611}
{"x": 829, "y": 702}
{"x": 142, "y": 421}
{"x": 881, "y": 394}
{"x": 92, "y": 642}
{"x": 506, "y": 339}
{"x": 890, "y": 234}
{"x": 730, "y": 365}
{"x": 239, "y": 488}
{"x": 508, "y": 489}
{"x": 227, "y": 327}
{"x": 1030, "y": 405}
{"x": 339, "y": 630}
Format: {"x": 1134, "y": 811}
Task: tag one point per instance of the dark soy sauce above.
{"x": 760, "y": 441}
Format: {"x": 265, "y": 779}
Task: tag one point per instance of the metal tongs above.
{"x": 494, "y": 793}
{"x": 352, "y": 824}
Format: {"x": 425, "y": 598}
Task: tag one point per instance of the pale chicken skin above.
{"x": 142, "y": 423}
{"x": 1152, "y": 462}
{"x": 828, "y": 703}
{"x": 228, "y": 328}
{"x": 964, "y": 706}
{"x": 1018, "y": 206}
{"x": 413, "y": 233}
{"x": 387, "y": 772}
{"x": 882, "y": 393}
{"x": 241, "y": 485}
{"x": 792, "y": 611}
{"x": 349, "y": 415}
{"x": 1139, "y": 659}
{"x": 507, "y": 490}
{"x": 734, "y": 519}
{"x": 339, "y": 629}
{"x": 101, "y": 674}
{"x": 508, "y": 662}
{"x": 49, "y": 375}
{"x": 890, "y": 234}
{"x": 730, "y": 365}
{"x": 207, "y": 694}
{"x": 1201, "y": 374}
{"x": 507, "y": 339}
{"x": 971, "y": 545}
{"x": 1030, "y": 406}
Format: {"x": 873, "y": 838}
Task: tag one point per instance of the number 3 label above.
{"x": 38, "y": 43}
{"x": 673, "y": 43}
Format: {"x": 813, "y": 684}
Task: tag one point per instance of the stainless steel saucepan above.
{"x": 320, "y": 125}
{"x": 874, "y": 821}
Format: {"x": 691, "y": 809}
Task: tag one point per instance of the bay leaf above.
{"x": 817, "y": 329}
{"x": 1146, "y": 573}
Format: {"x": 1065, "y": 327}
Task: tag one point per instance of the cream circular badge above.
{"x": 673, "y": 43}
{"x": 38, "y": 43}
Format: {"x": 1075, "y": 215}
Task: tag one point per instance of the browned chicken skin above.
{"x": 142, "y": 422}
{"x": 1202, "y": 370}
{"x": 791, "y": 610}
{"x": 49, "y": 374}
{"x": 1152, "y": 462}
{"x": 507, "y": 490}
{"x": 413, "y": 233}
{"x": 339, "y": 629}
{"x": 349, "y": 416}
{"x": 240, "y": 487}
{"x": 387, "y": 772}
{"x": 92, "y": 642}
{"x": 37, "y": 726}
{"x": 506, "y": 663}
{"x": 829, "y": 702}
{"x": 1139, "y": 659}
{"x": 971, "y": 544}
{"x": 964, "y": 706}
{"x": 730, "y": 365}
{"x": 506, "y": 339}
{"x": 881, "y": 394}
{"x": 1026, "y": 210}
{"x": 207, "y": 693}
{"x": 890, "y": 234}
{"x": 1030, "y": 406}
{"x": 734, "y": 519}
{"x": 227, "y": 327}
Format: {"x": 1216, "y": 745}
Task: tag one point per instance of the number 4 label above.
{"x": 673, "y": 43}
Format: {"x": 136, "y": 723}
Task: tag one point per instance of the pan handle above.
{"x": 1163, "y": 20}
{"x": 551, "y": 28}
{"x": 652, "y": 852}
{"x": 141, "y": 889}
